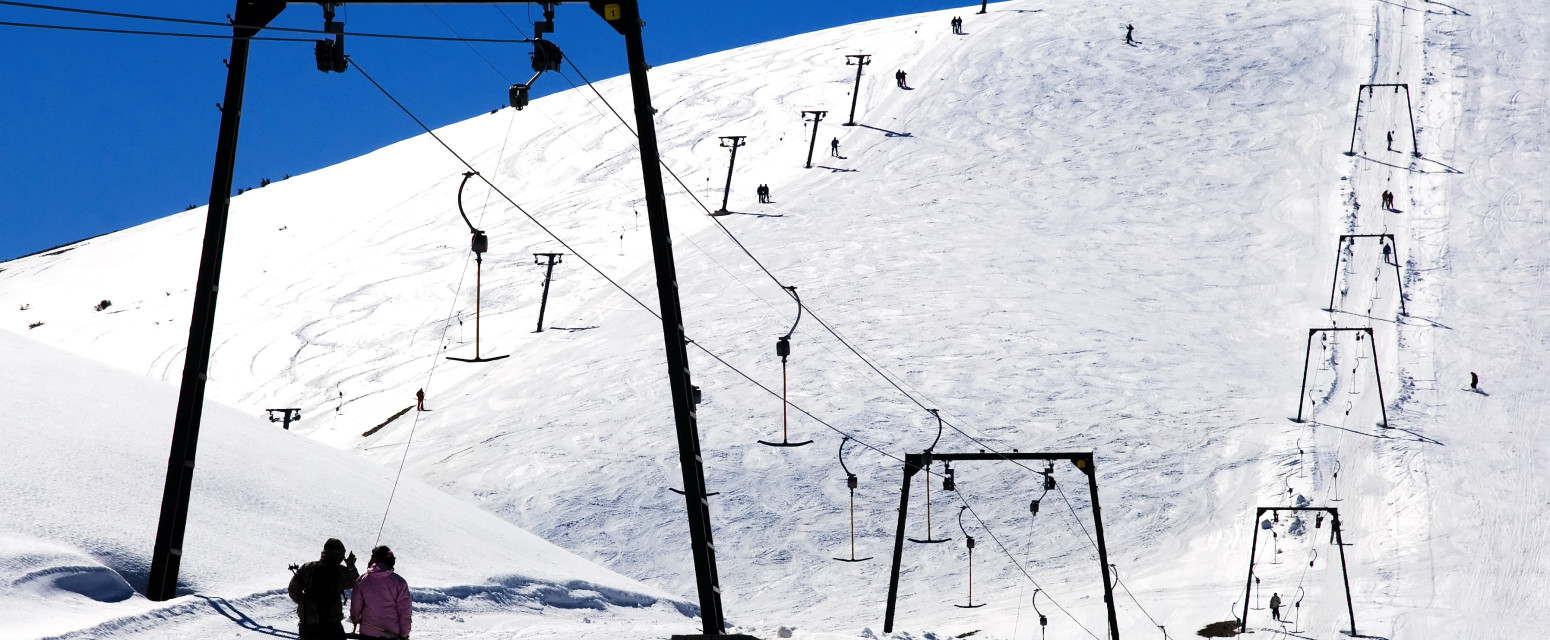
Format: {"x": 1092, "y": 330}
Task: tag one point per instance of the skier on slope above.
{"x": 834, "y": 147}
{"x": 1275, "y": 606}
{"x": 318, "y": 591}
{"x": 419, "y": 400}
{"x": 1129, "y": 29}
{"x": 380, "y": 604}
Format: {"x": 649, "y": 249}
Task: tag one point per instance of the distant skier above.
{"x": 764, "y": 193}
{"x": 380, "y": 604}
{"x": 1388, "y": 200}
{"x": 1391, "y": 141}
{"x": 318, "y": 589}
{"x": 900, "y": 77}
{"x": 419, "y": 400}
{"x": 1129, "y": 31}
{"x": 1388, "y": 254}
{"x": 1275, "y": 606}
{"x": 1474, "y": 381}
{"x": 834, "y": 147}
{"x": 957, "y": 26}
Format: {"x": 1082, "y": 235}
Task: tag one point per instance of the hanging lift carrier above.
{"x": 481, "y": 244}
{"x": 850, "y": 481}
{"x": 783, "y": 349}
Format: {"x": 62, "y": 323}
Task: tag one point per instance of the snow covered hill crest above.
{"x": 1059, "y": 241}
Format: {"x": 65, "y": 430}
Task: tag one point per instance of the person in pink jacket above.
{"x": 379, "y": 606}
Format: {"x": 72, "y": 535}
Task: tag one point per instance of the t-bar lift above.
{"x": 250, "y": 17}
{"x": 916, "y": 462}
{"x": 480, "y": 244}
{"x": 1335, "y": 534}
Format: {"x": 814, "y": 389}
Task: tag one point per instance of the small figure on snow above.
{"x": 1391, "y": 141}
{"x": 1129, "y": 30}
{"x": 764, "y": 193}
{"x": 1275, "y": 606}
{"x": 957, "y": 23}
{"x": 318, "y": 591}
{"x": 1388, "y": 200}
{"x": 419, "y": 400}
{"x": 834, "y": 147}
{"x": 1474, "y": 381}
{"x": 1388, "y": 254}
{"x": 900, "y": 77}
{"x": 380, "y": 605}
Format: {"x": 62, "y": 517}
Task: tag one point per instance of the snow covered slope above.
{"x": 86, "y": 456}
{"x": 1061, "y": 242}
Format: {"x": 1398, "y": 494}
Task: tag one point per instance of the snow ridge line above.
{"x": 505, "y": 593}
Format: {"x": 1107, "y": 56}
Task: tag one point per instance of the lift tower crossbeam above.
{"x": 1335, "y": 533}
{"x": 250, "y": 17}
{"x": 917, "y": 462}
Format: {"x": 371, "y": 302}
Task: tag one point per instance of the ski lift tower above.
{"x": 251, "y": 17}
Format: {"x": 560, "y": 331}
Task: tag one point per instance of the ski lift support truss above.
{"x": 916, "y": 462}
{"x": 251, "y": 17}
{"x": 1335, "y": 532}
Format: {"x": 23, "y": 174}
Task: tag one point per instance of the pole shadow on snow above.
{"x": 837, "y": 169}
{"x": 1383, "y": 435}
{"x": 574, "y": 328}
{"x": 1426, "y": 321}
{"x": 1456, "y": 11}
{"x": 1415, "y": 165}
{"x": 891, "y": 134}
{"x": 230, "y": 612}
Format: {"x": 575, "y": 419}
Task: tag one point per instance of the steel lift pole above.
{"x": 860, "y": 60}
{"x": 167, "y": 551}
{"x": 731, "y": 142}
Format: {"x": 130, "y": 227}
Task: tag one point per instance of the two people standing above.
{"x": 380, "y": 606}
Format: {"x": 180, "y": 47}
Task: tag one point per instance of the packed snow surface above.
{"x": 1163, "y": 254}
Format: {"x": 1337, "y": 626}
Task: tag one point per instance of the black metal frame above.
{"x": 730, "y": 142}
{"x": 917, "y": 462}
{"x": 860, "y": 61}
{"x": 1340, "y": 245}
{"x": 1306, "y": 361}
{"x": 250, "y": 17}
{"x": 543, "y": 303}
{"x": 1415, "y": 144}
{"x": 287, "y": 415}
{"x": 1345, "y": 575}
{"x": 817, "y": 118}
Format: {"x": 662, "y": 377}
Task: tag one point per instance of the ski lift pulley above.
{"x": 1043, "y": 620}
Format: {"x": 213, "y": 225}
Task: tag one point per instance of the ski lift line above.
{"x": 610, "y": 280}
{"x": 1015, "y": 563}
{"x": 1121, "y": 584}
{"x": 137, "y": 32}
{"x": 470, "y": 45}
{"x": 228, "y": 25}
{"x": 767, "y": 272}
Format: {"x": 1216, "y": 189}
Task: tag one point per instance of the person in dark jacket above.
{"x": 318, "y": 591}
{"x": 834, "y": 147}
{"x": 1275, "y": 606}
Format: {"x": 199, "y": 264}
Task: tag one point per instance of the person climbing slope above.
{"x": 419, "y": 400}
{"x": 380, "y": 606}
{"x": 1129, "y": 30}
{"x": 318, "y": 589}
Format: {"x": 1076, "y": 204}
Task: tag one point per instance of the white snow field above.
{"x": 85, "y": 465}
{"x": 1062, "y": 242}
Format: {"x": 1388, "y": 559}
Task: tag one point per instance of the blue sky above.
{"x": 101, "y": 132}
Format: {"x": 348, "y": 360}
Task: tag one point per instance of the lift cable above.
{"x": 605, "y": 276}
{"x": 227, "y": 25}
{"x": 746, "y": 251}
{"x": 819, "y": 319}
{"x": 136, "y": 32}
{"x": 1121, "y": 584}
{"x": 702, "y": 348}
{"x": 1009, "y": 556}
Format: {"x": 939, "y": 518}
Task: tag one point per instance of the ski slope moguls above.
{"x": 1174, "y": 254}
